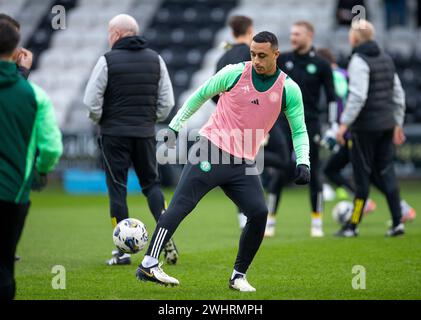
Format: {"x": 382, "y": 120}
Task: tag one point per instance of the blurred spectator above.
{"x": 396, "y": 13}
{"x": 23, "y": 57}
{"x": 242, "y": 31}
{"x": 419, "y": 13}
{"x": 344, "y": 13}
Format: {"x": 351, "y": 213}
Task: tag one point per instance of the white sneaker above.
{"x": 156, "y": 274}
{"x": 317, "y": 227}
{"x": 408, "y": 213}
{"x": 269, "y": 232}
{"x": 240, "y": 283}
{"x": 317, "y": 232}
{"x": 270, "y": 226}
{"x": 399, "y": 230}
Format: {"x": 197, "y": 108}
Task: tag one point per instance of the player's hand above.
{"x": 398, "y": 136}
{"x": 39, "y": 182}
{"x": 302, "y": 174}
{"x": 25, "y": 58}
{"x": 340, "y": 135}
{"x": 170, "y": 138}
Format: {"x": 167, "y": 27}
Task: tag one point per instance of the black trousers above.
{"x": 196, "y": 181}
{"x": 334, "y": 166}
{"x": 316, "y": 186}
{"x": 337, "y": 162}
{"x": 372, "y": 156}
{"x": 12, "y": 221}
{"x": 119, "y": 154}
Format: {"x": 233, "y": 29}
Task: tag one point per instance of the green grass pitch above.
{"x": 75, "y": 232}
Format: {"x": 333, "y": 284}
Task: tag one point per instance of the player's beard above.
{"x": 300, "y": 48}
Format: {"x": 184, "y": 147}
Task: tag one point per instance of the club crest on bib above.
{"x": 205, "y": 166}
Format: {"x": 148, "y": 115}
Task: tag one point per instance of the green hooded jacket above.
{"x": 27, "y": 125}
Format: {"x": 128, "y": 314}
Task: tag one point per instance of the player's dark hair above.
{"x": 266, "y": 36}
{"x": 240, "y": 25}
{"x": 5, "y": 17}
{"x": 326, "y": 54}
{"x": 9, "y": 38}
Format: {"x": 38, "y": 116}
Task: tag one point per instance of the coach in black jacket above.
{"x": 128, "y": 92}
{"x": 374, "y": 113}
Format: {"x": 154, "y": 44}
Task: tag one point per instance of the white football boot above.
{"x": 316, "y": 228}
{"x": 270, "y": 226}
{"x": 240, "y": 283}
{"x": 156, "y": 274}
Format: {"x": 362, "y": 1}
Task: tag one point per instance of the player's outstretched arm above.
{"x": 222, "y": 81}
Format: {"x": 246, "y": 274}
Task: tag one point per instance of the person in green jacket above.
{"x": 30, "y": 147}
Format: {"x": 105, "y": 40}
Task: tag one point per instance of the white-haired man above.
{"x": 128, "y": 92}
{"x": 374, "y": 113}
